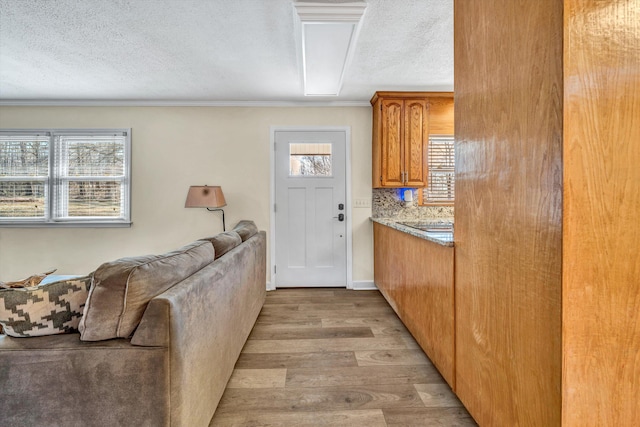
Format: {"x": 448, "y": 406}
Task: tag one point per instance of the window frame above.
{"x": 422, "y": 199}
{"x": 52, "y": 198}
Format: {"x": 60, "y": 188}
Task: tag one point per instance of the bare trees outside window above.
{"x": 441, "y": 171}
{"x": 310, "y": 159}
{"x": 64, "y": 176}
{"x": 24, "y": 171}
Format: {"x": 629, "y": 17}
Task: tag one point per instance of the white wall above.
{"x": 172, "y": 148}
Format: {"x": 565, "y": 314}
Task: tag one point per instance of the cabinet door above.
{"x": 416, "y": 278}
{"x": 391, "y": 143}
{"x": 416, "y": 138}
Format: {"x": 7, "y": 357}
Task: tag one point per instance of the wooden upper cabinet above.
{"x": 441, "y": 115}
{"x": 401, "y": 128}
{"x": 416, "y": 139}
{"x": 392, "y": 143}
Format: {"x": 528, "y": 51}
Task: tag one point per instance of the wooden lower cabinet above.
{"x": 416, "y": 277}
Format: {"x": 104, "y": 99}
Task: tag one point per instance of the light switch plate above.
{"x": 362, "y": 202}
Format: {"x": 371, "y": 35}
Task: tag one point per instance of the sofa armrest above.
{"x": 204, "y": 321}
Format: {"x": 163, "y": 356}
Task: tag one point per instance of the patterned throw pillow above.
{"x": 47, "y": 309}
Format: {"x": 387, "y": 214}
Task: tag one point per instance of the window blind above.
{"x": 65, "y": 177}
{"x": 90, "y": 176}
{"x": 24, "y": 175}
{"x": 441, "y": 171}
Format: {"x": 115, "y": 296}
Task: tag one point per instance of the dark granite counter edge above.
{"x": 444, "y": 239}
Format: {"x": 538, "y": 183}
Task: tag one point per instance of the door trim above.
{"x": 272, "y": 196}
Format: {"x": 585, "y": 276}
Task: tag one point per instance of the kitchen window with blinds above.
{"x": 60, "y": 177}
{"x": 440, "y": 171}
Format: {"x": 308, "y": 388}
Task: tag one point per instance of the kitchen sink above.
{"x": 429, "y": 227}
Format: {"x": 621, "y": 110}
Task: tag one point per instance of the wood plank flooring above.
{"x": 335, "y": 357}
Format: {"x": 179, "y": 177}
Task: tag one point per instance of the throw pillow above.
{"x": 224, "y": 242}
{"x": 122, "y": 289}
{"x": 47, "y": 309}
{"x": 245, "y": 229}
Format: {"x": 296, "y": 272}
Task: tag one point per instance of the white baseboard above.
{"x": 364, "y": 285}
{"x": 358, "y": 285}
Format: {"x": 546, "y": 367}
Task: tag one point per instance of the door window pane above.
{"x": 310, "y": 159}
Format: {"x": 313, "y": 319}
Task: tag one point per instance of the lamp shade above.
{"x": 203, "y": 196}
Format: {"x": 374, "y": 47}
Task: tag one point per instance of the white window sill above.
{"x": 83, "y": 224}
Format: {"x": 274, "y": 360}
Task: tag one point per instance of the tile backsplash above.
{"x": 388, "y": 203}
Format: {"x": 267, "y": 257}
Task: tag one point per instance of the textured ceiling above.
{"x": 208, "y": 50}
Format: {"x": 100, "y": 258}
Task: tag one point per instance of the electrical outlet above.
{"x": 362, "y": 202}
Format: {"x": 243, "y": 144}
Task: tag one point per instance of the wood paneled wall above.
{"x": 508, "y": 129}
{"x": 601, "y": 249}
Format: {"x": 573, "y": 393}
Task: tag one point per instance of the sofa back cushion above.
{"x": 46, "y": 309}
{"x": 122, "y": 289}
{"x": 245, "y": 229}
{"x": 224, "y": 242}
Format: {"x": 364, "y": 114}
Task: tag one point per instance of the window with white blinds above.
{"x": 65, "y": 177}
{"x": 441, "y": 171}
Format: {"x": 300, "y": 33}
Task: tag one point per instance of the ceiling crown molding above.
{"x": 175, "y": 103}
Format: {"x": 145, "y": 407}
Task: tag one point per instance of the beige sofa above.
{"x": 171, "y": 371}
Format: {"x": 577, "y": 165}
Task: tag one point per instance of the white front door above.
{"x": 310, "y": 208}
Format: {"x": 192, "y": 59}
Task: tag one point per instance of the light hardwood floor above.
{"x": 334, "y": 357}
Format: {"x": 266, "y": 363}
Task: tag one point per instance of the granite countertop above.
{"x": 444, "y": 238}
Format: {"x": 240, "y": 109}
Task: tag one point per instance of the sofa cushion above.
{"x": 47, "y": 309}
{"x": 224, "y": 242}
{"x": 245, "y": 229}
{"x": 122, "y": 289}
